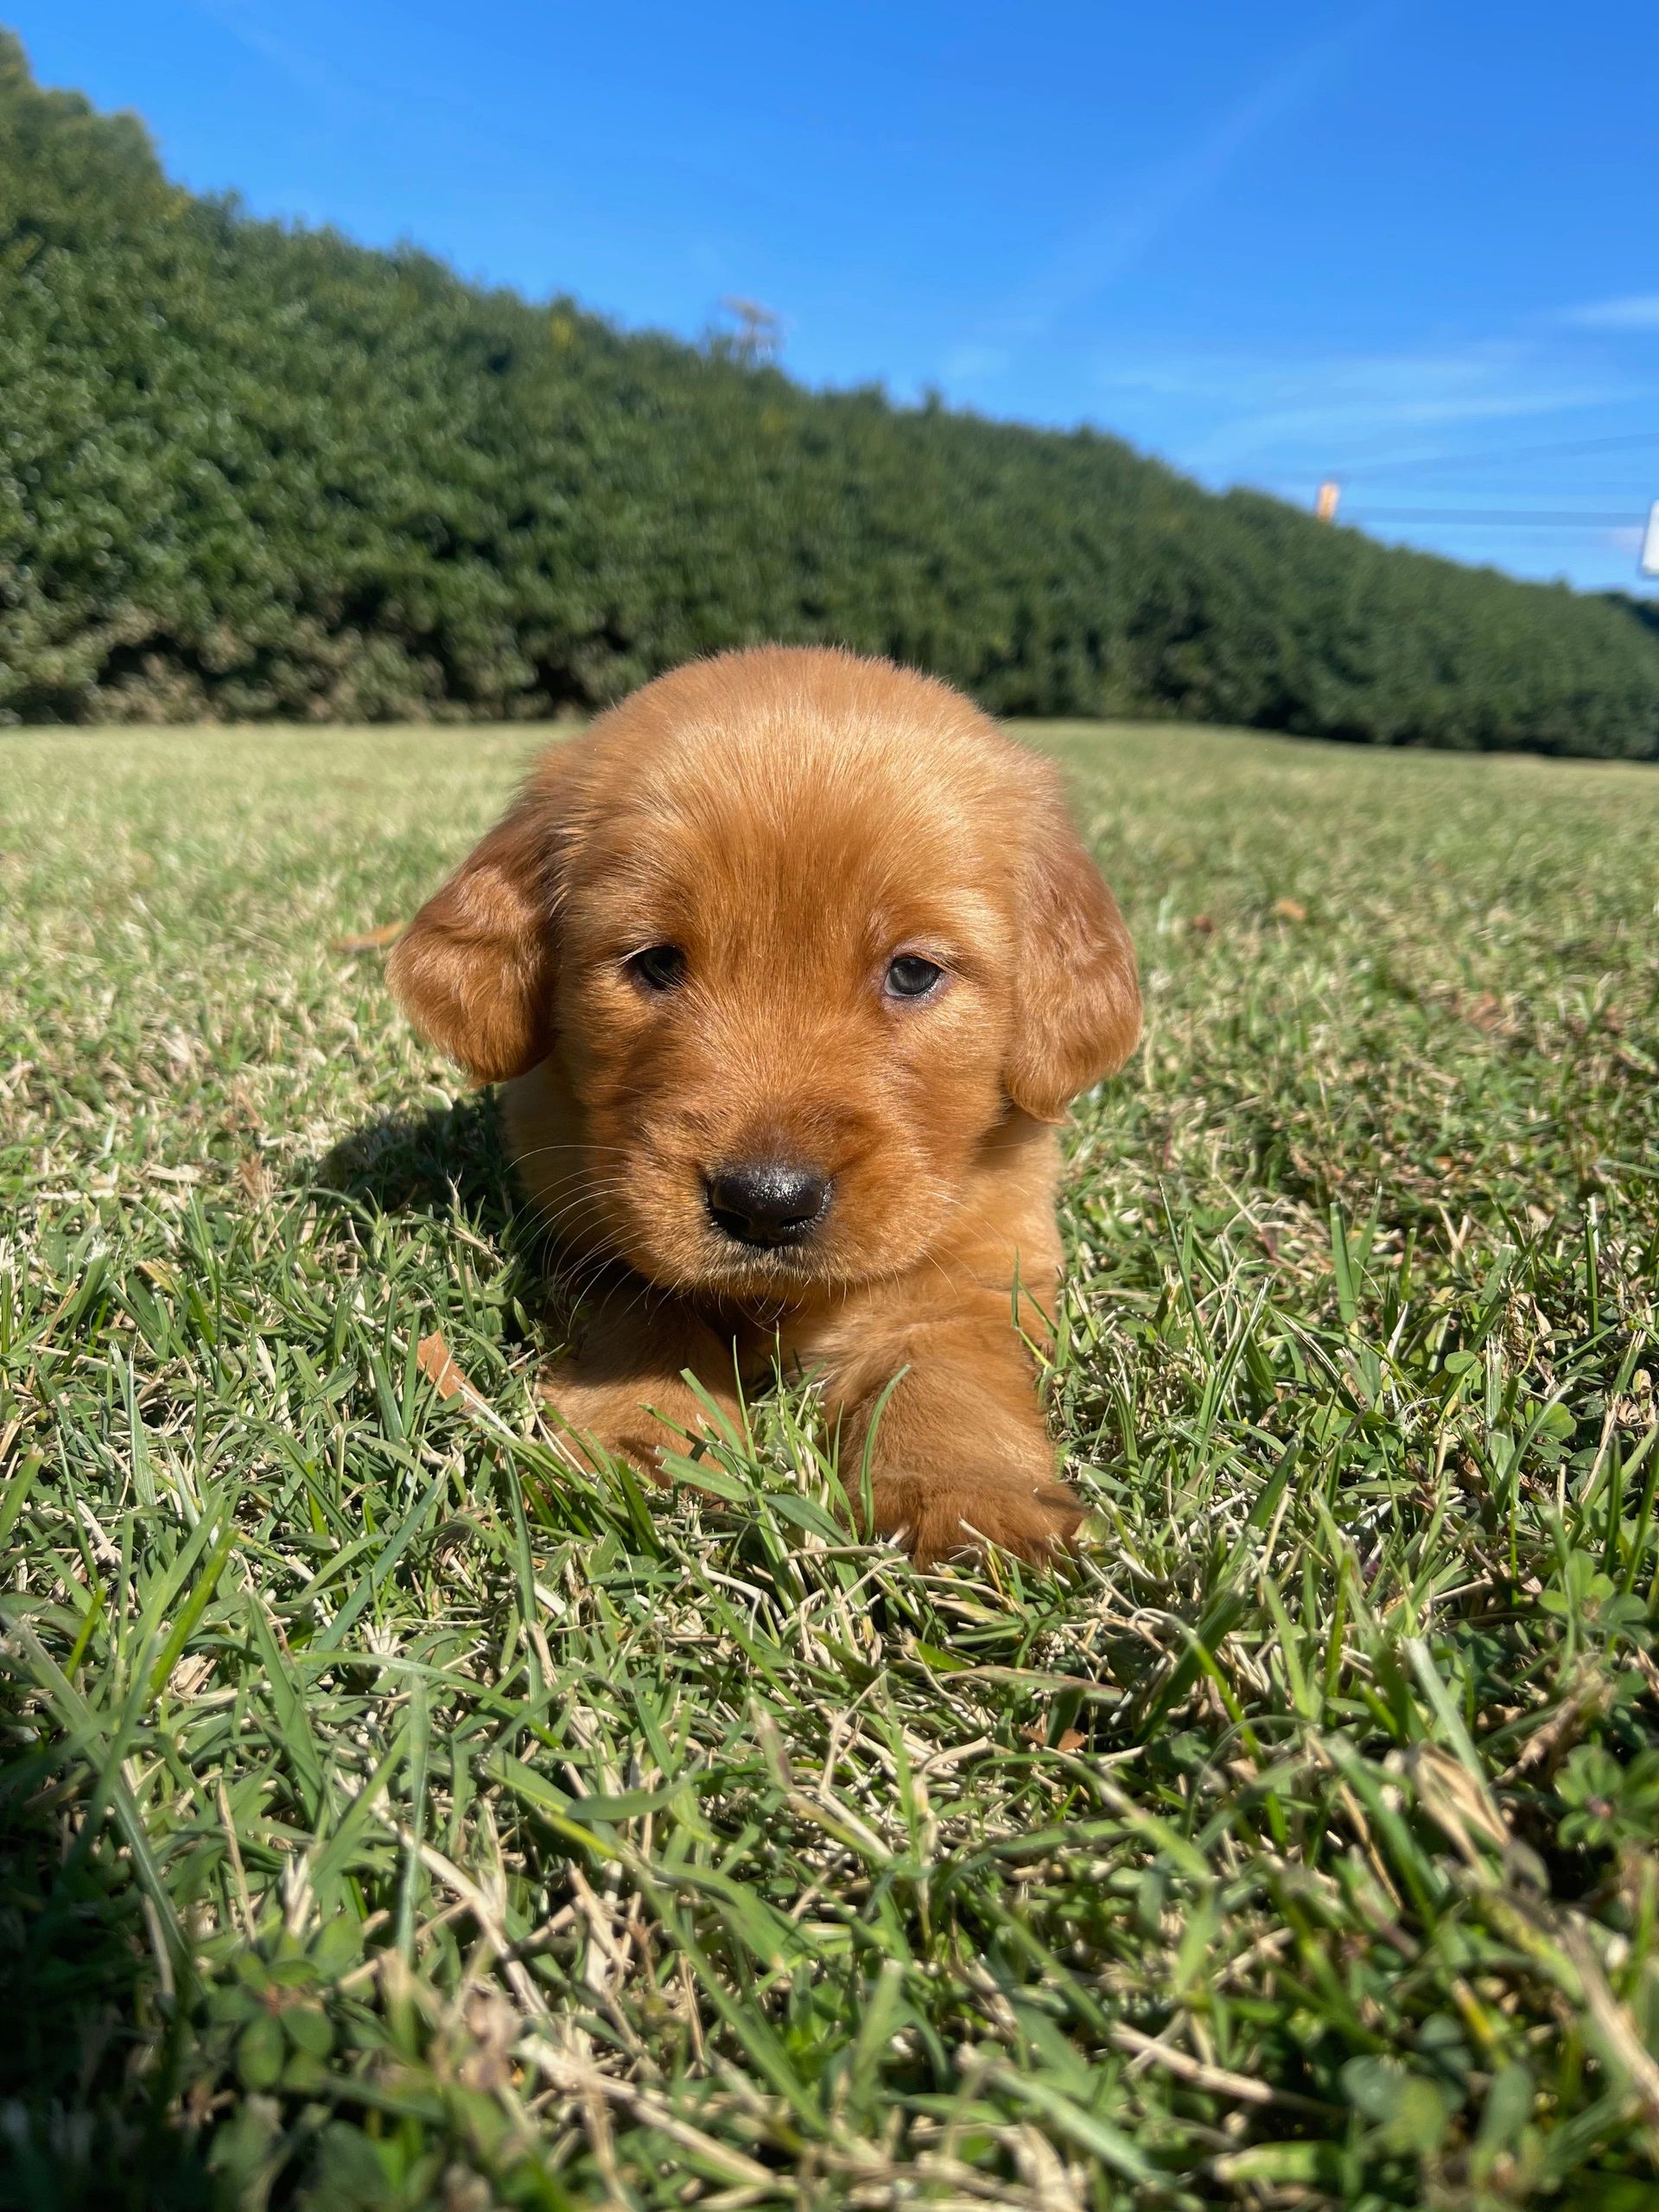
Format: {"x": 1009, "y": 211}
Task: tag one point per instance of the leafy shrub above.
{"x": 252, "y": 471}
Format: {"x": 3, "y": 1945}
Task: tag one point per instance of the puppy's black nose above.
{"x": 766, "y": 1202}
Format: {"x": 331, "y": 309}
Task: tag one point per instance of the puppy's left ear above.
{"x": 1077, "y": 1014}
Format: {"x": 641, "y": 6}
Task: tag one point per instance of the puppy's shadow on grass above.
{"x": 432, "y": 1163}
{"x": 447, "y": 1163}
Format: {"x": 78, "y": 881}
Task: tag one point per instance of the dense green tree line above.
{"x": 249, "y": 471}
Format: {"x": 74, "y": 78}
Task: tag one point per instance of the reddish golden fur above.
{"x": 793, "y": 819}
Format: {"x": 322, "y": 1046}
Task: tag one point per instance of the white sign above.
{"x": 1650, "y": 543}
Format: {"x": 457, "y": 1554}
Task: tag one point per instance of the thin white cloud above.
{"x": 1246, "y": 413}
{"x": 964, "y": 364}
{"x": 1121, "y": 236}
{"x": 1331, "y": 431}
{"x": 1633, "y": 311}
{"x": 249, "y": 27}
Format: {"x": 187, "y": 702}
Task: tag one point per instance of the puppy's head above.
{"x": 799, "y": 932}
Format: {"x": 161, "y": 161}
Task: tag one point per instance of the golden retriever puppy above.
{"x": 789, "y": 965}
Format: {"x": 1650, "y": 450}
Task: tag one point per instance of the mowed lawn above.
{"x": 392, "y": 1819}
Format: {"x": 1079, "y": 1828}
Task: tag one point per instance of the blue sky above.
{"x": 1410, "y": 242}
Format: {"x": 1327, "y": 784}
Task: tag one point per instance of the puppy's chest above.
{"x": 797, "y": 1346}
{"x": 804, "y": 1346}
{"x": 894, "y": 1325}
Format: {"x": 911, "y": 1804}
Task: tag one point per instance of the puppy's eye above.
{"x": 910, "y": 977}
{"x": 659, "y": 968}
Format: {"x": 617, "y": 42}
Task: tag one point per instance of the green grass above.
{"x": 391, "y": 1818}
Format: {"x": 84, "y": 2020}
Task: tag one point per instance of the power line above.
{"x": 1392, "y": 465}
{"x": 1542, "y": 519}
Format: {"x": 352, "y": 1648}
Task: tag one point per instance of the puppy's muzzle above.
{"x": 767, "y": 1203}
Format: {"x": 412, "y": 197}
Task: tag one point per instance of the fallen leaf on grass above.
{"x": 1289, "y": 910}
{"x": 371, "y": 940}
{"x": 1485, "y": 1011}
{"x": 255, "y": 1178}
{"x": 1070, "y": 1739}
{"x": 436, "y": 1362}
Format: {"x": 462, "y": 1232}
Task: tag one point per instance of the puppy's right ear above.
{"x": 475, "y": 970}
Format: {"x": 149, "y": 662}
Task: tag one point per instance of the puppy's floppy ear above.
{"x": 1077, "y": 1014}
{"x": 475, "y": 970}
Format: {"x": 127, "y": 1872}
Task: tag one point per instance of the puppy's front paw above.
{"x": 609, "y": 1420}
{"x": 938, "y": 1517}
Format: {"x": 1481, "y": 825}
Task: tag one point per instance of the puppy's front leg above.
{"x": 961, "y": 1454}
{"x": 624, "y": 1386}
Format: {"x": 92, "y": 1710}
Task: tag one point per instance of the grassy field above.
{"x": 390, "y": 1819}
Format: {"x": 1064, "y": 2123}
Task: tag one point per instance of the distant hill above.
{"x": 247, "y": 470}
